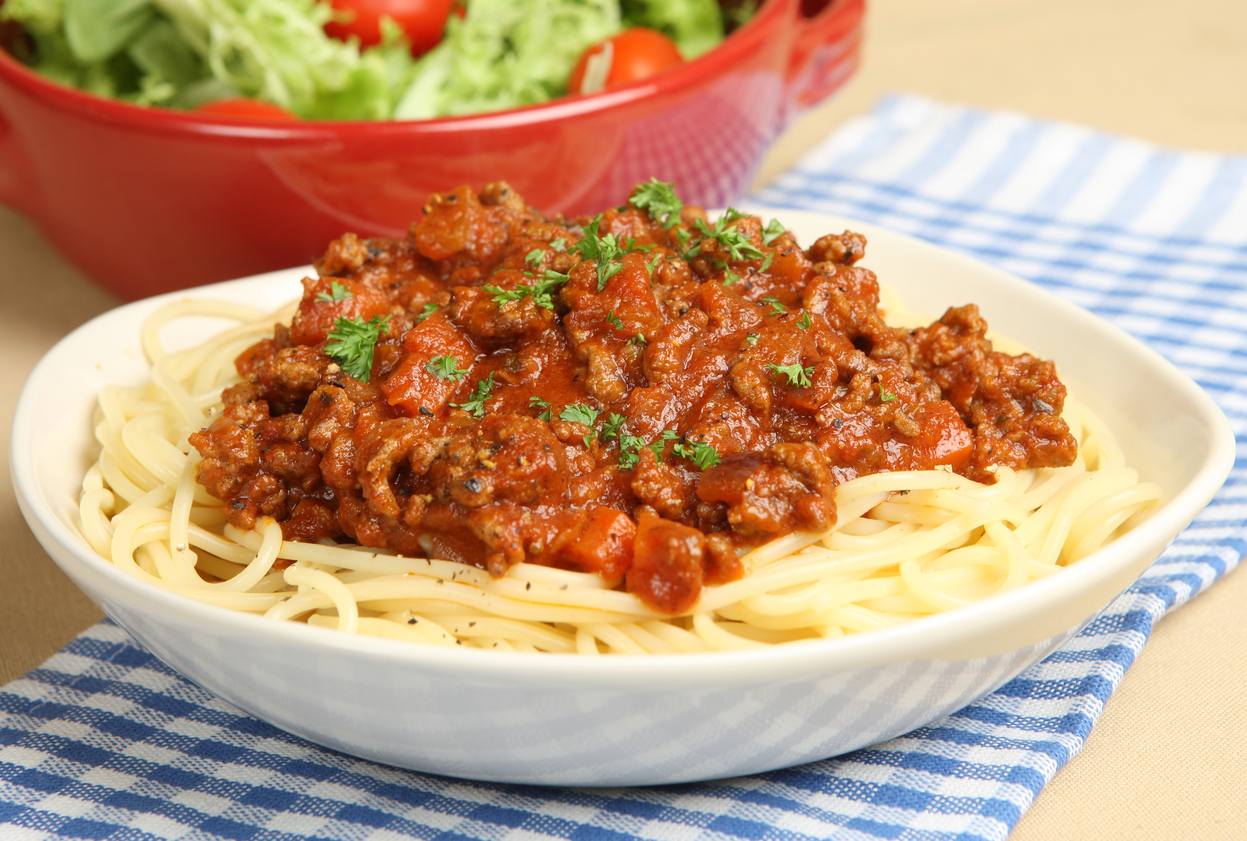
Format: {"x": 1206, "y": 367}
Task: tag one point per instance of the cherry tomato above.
{"x": 422, "y": 20}
{"x": 633, "y": 54}
{"x": 242, "y": 108}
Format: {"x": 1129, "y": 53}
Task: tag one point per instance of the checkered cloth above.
{"x": 103, "y": 742}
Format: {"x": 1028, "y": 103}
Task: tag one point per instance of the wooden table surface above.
{"x": 1168, "y": 759}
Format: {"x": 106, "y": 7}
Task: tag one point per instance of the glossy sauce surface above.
{"x": 639, "y": 395}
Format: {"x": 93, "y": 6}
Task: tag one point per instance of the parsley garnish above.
{"x": 638, "y": 339}
{"x": 628, "y": 447}
{"x": 658, "y": 198}
{"x": 660, "y": 443}
{"x": 732, "y": 239}
{"x": 885, "y": 396}
{"x": 533, "y": 258}
{"x": 475, "y": 404}
{"x": 537, "y": 403}
{"x": 751, "y": 339}
{"x": 614, "y": 320}
{"x": 804, "y": 323}
{"x": 446, "y": 368}
{"x": 580, "y": 413}
{"x": 542, "y": 292}
{"x": 766, "y": 264}
{"x": 612, "y": 426}
{"x": 559, "y": 244}
{"x": 776, "y": 307}
{"x": 351, "y": 343}
{"x": 337, "y": 292}
{"x": 702, "y": 455}
{"x": 428, "y": 310}
{"x": 772, "y": 231}
{"x": 604, "y": 250}
{"x": 795, "y": 373}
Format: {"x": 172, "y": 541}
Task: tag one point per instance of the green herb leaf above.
{"x": 795, "y": 373}
{"x": 337, "y": 292}
{"x": 446, "y": 368}
{"x": 428, "y": 310}
{"x": 580, "y": 413}
{"x": 537, "y": 403}
{"x": 805, "y": 322}
{"x": 533, "y": 258}
{"x": 614, "y": 320}
{"x": 772, "y": 231}
{"x": 885, "y": 396}
{"x": 776, "y": 307}
{"x": 542, "y": 292}
{"x": 475, "y": 404}
{"x": 733, "y": 240}
{"x": 751, "y": 339}
{"x": 612, "y": 426}
{"x": 658, "y": 198}
{"x": 351, "y": 344}
{"x": 702, "y": 455}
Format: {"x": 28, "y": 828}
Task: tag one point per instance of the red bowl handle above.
{"x": 824, "y": 51}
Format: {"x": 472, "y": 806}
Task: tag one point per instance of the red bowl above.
{"x": 147, "y": 200}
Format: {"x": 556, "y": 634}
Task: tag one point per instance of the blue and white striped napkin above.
{"x": 103, "y": 742}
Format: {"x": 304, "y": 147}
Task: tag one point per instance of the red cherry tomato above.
{"x": 633, "y": 54}
{"x": 422, "y": 20}
{"x": 243, "y": 108}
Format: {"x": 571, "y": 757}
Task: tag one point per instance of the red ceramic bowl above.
{"x": 148, "y": 200}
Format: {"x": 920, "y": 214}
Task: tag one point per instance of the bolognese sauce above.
{"x": 642, "y": 394}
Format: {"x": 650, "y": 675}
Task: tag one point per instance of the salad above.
{"x": 358, "y": 59}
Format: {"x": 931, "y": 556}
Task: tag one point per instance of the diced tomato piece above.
{"x": 326, "y": 299}
{"x": 605, "y": 545}
{"x": 667, "y": 564}
{"x": 416, "y": 384}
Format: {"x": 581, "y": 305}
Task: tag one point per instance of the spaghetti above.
{"x": 905, "y": 544}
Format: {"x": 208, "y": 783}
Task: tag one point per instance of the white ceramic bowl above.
{"x": 564, "y": 720}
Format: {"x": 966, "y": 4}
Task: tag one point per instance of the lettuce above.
{"x": 180, "y": 53}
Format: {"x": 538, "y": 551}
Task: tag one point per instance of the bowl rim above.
{"x": 709, "y": 668}
{"x": 673, "y": 82}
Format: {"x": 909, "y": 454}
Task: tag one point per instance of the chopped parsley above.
{"x": 446, "y": 368}
{"x": 613, "y": 426}
{"x": 629, "y": 445}
{"x": 351, "y": 344}
{"x": 796, "y": 374}
{"x": 751, "y": 339}
{"x": 475, "y": 404}
{"x": 776, "y": 307}
{"x": 542, "y": 292}
{"x": 658, "y": 198}
{"x": 580, "y": 413}
{"x": 537, "y": 403}
{"x": 702, "y": 455}
{"x": 614, "y": 320}
{"x": 533, "y": 258}
{"x": 733, "y": 240}
{"x": 772, "y": 231}
{"x": 804, "y": 323}
{"x": 337, "y": 292}
{"x": 766, "y": 264}
{"x": 638, "y": 339}
{"x": 427, "y": 310}
{"x": 885, "y": 396}
{"x": 604, "y": 250}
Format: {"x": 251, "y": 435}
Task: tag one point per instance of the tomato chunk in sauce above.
{"x": 641, "y": 395}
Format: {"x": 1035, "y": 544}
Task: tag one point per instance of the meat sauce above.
{"x": 639, "y": 395}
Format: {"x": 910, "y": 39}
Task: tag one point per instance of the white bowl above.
{"x": 564, "y": 720}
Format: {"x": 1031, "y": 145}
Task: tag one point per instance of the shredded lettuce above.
{"x": 182, "y": 53}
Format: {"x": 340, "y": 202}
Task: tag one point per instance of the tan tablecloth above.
{"x": 1169, "y": 757}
